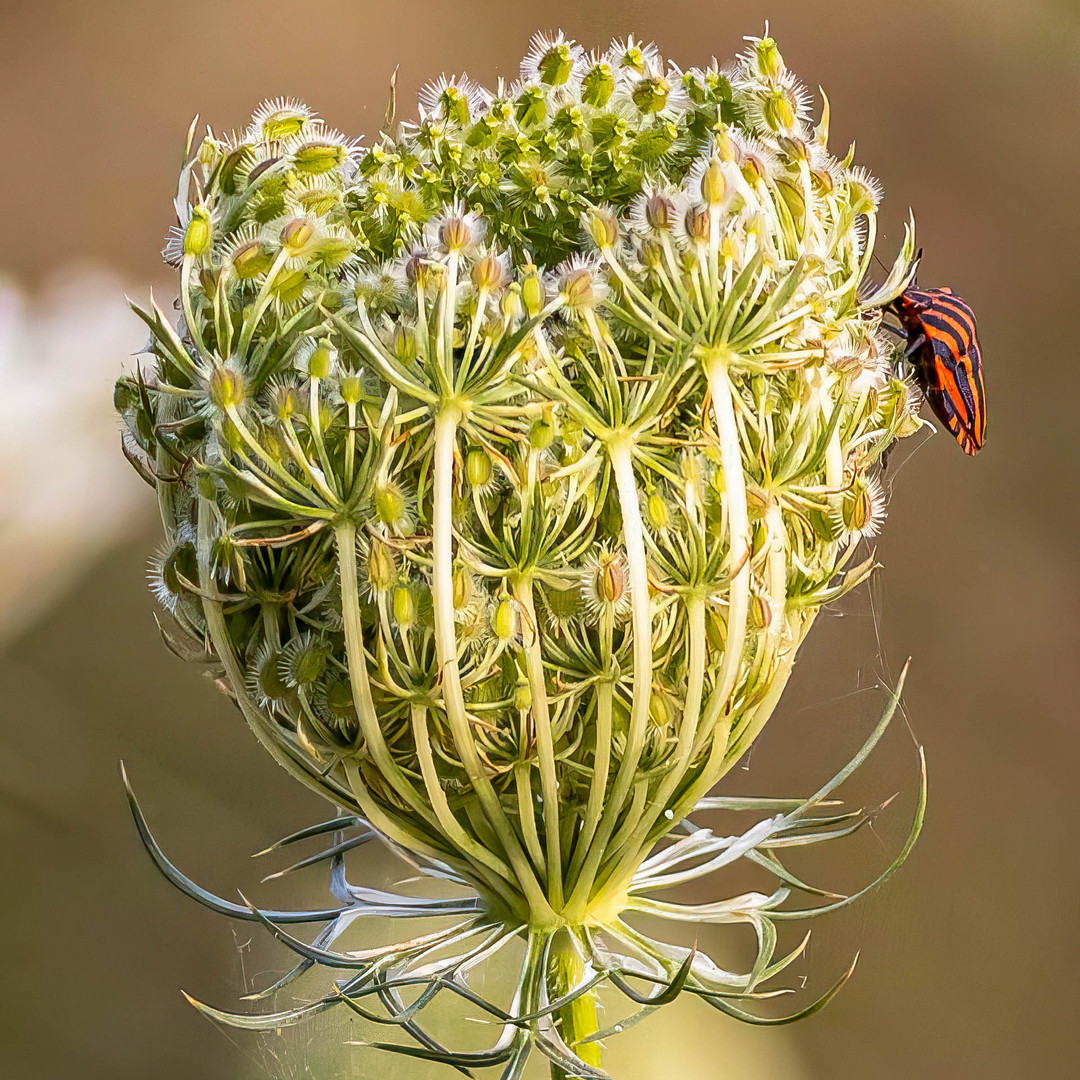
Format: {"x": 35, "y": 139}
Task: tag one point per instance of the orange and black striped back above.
{"x": 943, "y": 346}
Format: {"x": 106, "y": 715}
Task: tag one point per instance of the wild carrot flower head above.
{"x": 505, "y": 464}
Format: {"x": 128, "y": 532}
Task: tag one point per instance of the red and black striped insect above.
{"x": 943, "y": 347}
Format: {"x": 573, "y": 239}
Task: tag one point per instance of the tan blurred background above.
{"x": 969, "y": 111}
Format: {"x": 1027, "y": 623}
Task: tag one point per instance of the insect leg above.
{"x": 915, "y": 346}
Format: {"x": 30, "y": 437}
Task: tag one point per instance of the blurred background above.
{"x": 968, "y": 110}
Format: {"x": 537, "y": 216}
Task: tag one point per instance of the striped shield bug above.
{"x": 943, "y": 348}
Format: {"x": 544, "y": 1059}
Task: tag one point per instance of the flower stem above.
{"x": 442, "y": 590}
{"x": 578, "y": 1019}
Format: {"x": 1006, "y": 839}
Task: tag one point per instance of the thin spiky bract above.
{"x": 508, "y": 460}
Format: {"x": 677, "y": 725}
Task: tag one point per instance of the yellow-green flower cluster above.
{"x": 505, "y": 464}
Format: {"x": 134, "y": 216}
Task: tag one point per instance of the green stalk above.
{"x": 345, "y": 538}
{"x": 731, "y": 463}
{"x": 442, "y": 592}
{"x": 602, "y": 754}
{"x": 439, "y": 803}
{"x": 541, "y": 714}
{"x": 637, "y": 845}
{"x": 577, "y": 1020}
{"x": 622, "y": 465}
{"x": 268, "y": 735}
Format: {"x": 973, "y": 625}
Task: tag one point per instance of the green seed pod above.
{"x": 522, "y": 695}
{"x": 541, "y": 435}
{"x": 597, "y": 85}
{"x": 350, "y": 389}
{"x": 404, "y": 607}
{"x": 611, "y": 581}
{"x": 767, "y": 59}
{"x": 716, "y": 629}
{"x": 463, "y": 588}
{"x": 697, "y": 224}
{"x": 225, "y": 388}
{"x": 556, "y": 65}
{"x": 277, "y": 123}
{"x": 339, "y": 699}
{"x": 532, "y": 292}
{"x": 505, "y": 619}
{"x": 478, "y": 467}
{"x": 319, "y": 157}
{"x": 285, "y": 402}
{"x": 297, "y": 234}
{"x": 318, "y": 364}
{"x": 268, "y": 675}
{"x": 250, "y": 260}
{"x": 760, "y": 613}
{"x": 381, "y": 568}
{"x": 488, "y": 273}
{"x": 531, "y": 107}
{"x": 125, "y": 396}
{"x": 657, "y": 509}
{"x": 404, "y": 344}
{"x": 303, "y": 660}
{"x": 602, "y": 226}
{"x": 332, "y": 252}
{"x": 778, "y": 111}
{"x": 199, "y": 234}
{"x": 390, "y": 504}
{"x": 650, "y": 95}
{"x": 713, "y": 183}
{"x": 661, "y": 711}
{"x": 289, "y": 286}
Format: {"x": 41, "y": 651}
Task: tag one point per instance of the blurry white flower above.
{"x": 67, "y": 493}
